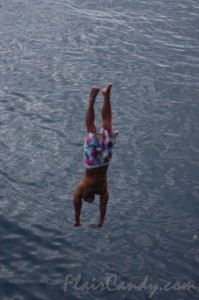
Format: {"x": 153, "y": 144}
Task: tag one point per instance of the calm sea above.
{"x": 51, "y": 53}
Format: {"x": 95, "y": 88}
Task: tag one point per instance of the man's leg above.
{"x": 106, "y": 109}
{"x": 90, "y": 114}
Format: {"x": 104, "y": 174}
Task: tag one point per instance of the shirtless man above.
{"x": 97, "y": 155}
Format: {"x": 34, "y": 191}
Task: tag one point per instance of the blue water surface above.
{"x": 52, "y": 52}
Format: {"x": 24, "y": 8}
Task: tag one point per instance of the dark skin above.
{"x": 94, "y": 181}
{"x": 92, "y": 184}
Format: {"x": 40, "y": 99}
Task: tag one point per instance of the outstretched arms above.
{"x": 80, "y": 195}
{"x": 102, "y": 208}
{"x": 77, "y": 202}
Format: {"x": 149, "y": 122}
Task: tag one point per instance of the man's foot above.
{"x": 94, "y": 92}
{"x": 106, "y": 90}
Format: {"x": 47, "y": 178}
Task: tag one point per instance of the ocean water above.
{"x": 51, "y": 53}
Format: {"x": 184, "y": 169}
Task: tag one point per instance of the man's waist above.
{"x": 97, "y": 172}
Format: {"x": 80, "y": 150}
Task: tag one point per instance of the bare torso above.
{"x": 94, "y": 182}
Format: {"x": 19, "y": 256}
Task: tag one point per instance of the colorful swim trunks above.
{"x": 98, "y": 148}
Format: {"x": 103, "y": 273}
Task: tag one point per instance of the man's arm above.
{"x": 77, "y": 202}
{"x": 102, "y": 208}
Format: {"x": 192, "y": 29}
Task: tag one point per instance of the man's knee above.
{"x": 107, "y": 126}
{"x": 91, "y": 128}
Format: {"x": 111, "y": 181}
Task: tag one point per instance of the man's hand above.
{"x": 100, "y": 223}
{"x": 77, "y": 224}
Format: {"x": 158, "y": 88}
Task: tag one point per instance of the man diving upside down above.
{"x": 97, "y": 155}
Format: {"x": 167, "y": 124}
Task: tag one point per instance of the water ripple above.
{"x": 51, "y": 53}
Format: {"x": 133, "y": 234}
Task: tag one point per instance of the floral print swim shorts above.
{"x": 98, "y": 148}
